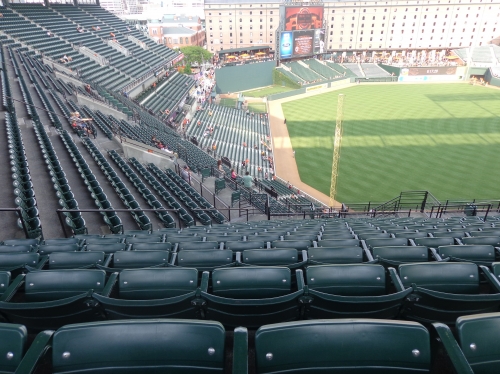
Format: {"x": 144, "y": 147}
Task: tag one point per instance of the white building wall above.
{"x": 361, "y": 25}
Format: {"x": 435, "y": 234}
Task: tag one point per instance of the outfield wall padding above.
{"x": 391, "y": 69}
{"x": 488, "y": 77}
{"x": 244, "y": 77}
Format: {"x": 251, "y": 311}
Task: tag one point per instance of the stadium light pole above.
{"x": 336, "y": 148}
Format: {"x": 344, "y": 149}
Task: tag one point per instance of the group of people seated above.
{"x": 208, "y": 131}
{"x": 96, "y": 28}
{"x": 82, "y": 125}
{"x": 160, "y": 145}
{"x": 65, "y": 59}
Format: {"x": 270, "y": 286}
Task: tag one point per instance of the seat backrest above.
{"x": 156, "y": 283}
{"x": 15, "y": 248}
{"x": 107, "y": 240}
{"x": 146, "y": 346}
{"x": 343, "y": 235}
{"x": 297, "y": 244}
{"x": 13, "y": 340}
{"x": 484, "y": 233}
{"x": 33, "y": 242}
{"x": 73, "y": 260}
{"x": 197, "y": 245}
{"x": 204, "y": 258}
{"x": 410, "y": 234}
{"x": 59, "y": 284}
{"x": 139, "y": 259}
{"x": 434, "y": 242}
{"x": 402, "y": 253}
{"x": 339, "y": 243}
{"x": 487, "y": 240}
{"x": 385, "y": 242}
{"x": 106, "y": 248}
{"x": 152, "y": 246}
{"x": 468, "y": 252}
{"x": 251, "y": 282}
{"x": 347, "y": 280}
{"x": 61, "y": 241}
{"x": 145, "y": 239}
{"x": 346, "y": 255}
{"x": 270, "y": 257}
{"x": 184, "y": 239}
{"x": 4, "y": 281}
{"x": 10, "y": 260}
{"x": 478, "y": 337}
{"x": 343, "y": 346}
{"x": 449, "y": 277}
{"x": 241, "y": 246}
{"x": 51, "y": 248}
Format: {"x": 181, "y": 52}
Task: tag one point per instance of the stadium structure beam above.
{"x": 336, "y": 148}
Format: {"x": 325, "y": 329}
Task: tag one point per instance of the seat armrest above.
{"x": 238, "y": 257}
{"x": 300, "y": 279}
{"x": 435, "y": 254}
{"x": 459, "y": 241}
{"x": 40, "y": 346}
{"x": 363, "y": 245}
{"x": 492, "y": 280}
{"x": 43, "y": 261}
{"x": 221, "y": 245}
{"x": 107, "y": 260}
{"x": 412, "y": 242}
{"x": 395, "y": 279}
{"x": 204, "y": 281}
{"x": 110, "y": 284}
{"x": 452, "y": 348}
{"x": 368, "y": 255}
{"x": 12, "y": 289}
{"x": 304, "y": 255}
{"x": 173, "y": 259}
{"x": 240, "y": 351}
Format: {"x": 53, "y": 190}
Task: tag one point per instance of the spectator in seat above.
{"x": 233, "y": 175}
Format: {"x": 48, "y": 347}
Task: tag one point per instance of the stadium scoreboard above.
{"x": 302, "y": 31}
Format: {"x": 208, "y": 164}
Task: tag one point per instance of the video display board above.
{"x": 303, "y": 17}
{"x": 301, "y": 43}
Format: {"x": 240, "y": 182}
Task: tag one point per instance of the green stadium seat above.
{"x": 356, "y": 290}
{"x": 13, "y": 344}
{"x": 77, "y": 260}
{"x": 204, "y": 259}
{"x": 138, "y": 259}
{"x": 153, "y": 293}
{"x": 337, "y": 255}
{"x": 338, "y": 243}
{"x": 145, "y": 346}
{"x": 186, "y": 246}
{"x": 49, "y": 299}
{"x": 477, "y": 350}
{"x": 252, "y": 296}
{"x": 385, "y": 242}
{"x": 483, "y": 240}
{"x": 398, "y": 255}
{"x": 300, "y": 245}
{"x": 236, "y": 246}
{"x": 478, "y": 254}
{"x": 328, "y": 346}
{"x": 289, "y": 257}
{"x": 52, "y": 248}
{"x": 434, "y": 242}
{"x": 444, "y": 291}
{"x": 107, "y": 248}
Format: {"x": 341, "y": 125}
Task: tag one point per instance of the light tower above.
{"x": 336, "y": 148}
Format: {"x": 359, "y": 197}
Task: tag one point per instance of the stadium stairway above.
{"x": 46, "y": 199}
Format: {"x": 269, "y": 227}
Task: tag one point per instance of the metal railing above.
{"x": 469, "y": 209}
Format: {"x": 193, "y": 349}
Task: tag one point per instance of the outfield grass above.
{"x": 444, "y": 138}
{"x": 266, "y": 91}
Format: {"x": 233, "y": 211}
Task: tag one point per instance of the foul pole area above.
{"x": 336, "y": 148}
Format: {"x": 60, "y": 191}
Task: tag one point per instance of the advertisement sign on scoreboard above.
{"x": 303, "y": 18}
{"x": 286, "y": 44}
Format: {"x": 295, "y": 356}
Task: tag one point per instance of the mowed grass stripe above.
{"x": 442, "y": 138}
